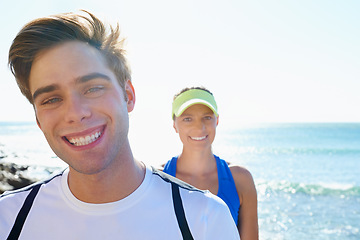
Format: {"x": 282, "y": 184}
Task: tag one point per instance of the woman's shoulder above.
{"x": 242, "y": 178}
{"x": 160, "y": 167}
{"x": 239, "y": 170}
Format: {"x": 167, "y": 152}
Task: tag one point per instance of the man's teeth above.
{"x": 85, "y": 140}
{"x": 198, "y": 138}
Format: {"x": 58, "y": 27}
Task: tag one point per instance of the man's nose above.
{"x": 76, "y": 109}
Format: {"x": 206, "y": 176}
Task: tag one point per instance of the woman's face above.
{"x": 196, "y": 127}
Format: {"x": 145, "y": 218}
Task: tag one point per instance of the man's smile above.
{"x": 84, "y": 138}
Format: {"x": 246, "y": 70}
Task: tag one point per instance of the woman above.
{"x": 195, "y": 117}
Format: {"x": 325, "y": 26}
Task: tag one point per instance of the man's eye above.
{"x": 51, "y": 101}
{"x": 95, "y": 89}
{"x": 187, "y": 119}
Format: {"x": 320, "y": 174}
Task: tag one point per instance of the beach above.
{"x": 306, "y": 174}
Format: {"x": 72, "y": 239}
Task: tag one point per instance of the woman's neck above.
{"x": 196, "y": 162}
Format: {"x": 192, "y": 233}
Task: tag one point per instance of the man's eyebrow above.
{"x": 81, "y": 79}
{"x": 92, "y": 76}
{"x": 43, "y": 90}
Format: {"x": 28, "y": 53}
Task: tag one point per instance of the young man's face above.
{"x": 196, "y": 127}
{"x": 80, "y": 106}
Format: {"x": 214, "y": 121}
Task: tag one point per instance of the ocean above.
{"x": 307, "y": 175}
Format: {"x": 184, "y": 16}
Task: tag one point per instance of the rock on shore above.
{"x": 13, "y": 177}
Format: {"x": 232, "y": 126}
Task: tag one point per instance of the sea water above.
{"x": 307, "y": 175}
{"x": 24, "y": 144}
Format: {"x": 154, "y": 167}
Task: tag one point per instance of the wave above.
{"x": 295, "y": 151}
{"x": 341, "y": 190}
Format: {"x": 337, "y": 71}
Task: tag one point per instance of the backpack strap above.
{"x": 23, "y": 213}
{"x": 179, "y": 212}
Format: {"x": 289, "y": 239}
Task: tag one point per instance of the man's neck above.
{"x": 109, "y": 185}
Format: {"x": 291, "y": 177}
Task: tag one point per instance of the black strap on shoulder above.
{"x": 180, "y": 214}
{"x": 23, "y": 213}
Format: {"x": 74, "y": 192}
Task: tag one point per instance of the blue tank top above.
{"x": 227, "y": 189}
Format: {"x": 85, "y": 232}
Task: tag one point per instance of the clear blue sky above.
{"x": 265, "y": 61}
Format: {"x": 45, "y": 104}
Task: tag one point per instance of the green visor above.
{"x": 192, "y": 97}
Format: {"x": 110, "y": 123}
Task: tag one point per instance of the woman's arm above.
{"x": 248, "y": 219}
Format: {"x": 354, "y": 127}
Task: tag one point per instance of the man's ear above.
{"x": 38, "y": 123}
{"x": 130, "y": 94}
{"x": 37, "y": 120}
{"x": 217, "y": 120}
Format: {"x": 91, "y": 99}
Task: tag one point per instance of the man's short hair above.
{"x": 44, "y": 33}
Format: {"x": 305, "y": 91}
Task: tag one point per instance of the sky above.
{"x": 265, "y": 61}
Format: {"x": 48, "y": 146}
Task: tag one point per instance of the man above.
{"x": 75, "y": 75}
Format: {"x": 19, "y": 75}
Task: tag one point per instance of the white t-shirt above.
{"x": 148, "y": 213}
